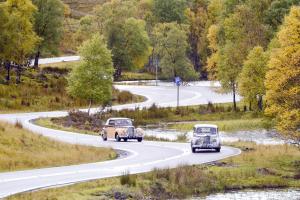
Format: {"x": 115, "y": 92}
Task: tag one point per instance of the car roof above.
{"x": 205, "y": 125}
{"x": 116, "y": 118}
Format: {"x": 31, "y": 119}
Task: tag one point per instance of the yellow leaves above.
{"x": 283, "y": 77}
{"x": 213, "y": 37}
{"x": 212, "y": 66}
{"x": 289, "y": 33}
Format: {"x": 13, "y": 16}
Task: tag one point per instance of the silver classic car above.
{"x": 121, "y": 129}
{"x": 205, "y": 136}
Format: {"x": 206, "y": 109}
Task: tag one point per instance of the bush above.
{"x": 124, "y": 97}
{"x": 127, "y": 179}
{"x": 18, "y": 125}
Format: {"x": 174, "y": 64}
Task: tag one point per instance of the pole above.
{"x": 178, "y": 95}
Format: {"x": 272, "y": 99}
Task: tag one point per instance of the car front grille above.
{"x": 206, "y": 140}
{"x": 130, "y": 132}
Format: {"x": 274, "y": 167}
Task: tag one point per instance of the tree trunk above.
{"x": 260, "y": 102}
{"x": 36, "y": 59}
{"x": 118, "y": 73}
{"x": 250, "y": 106}
{"x": 18, "y": 74}
{"x": 7, "y": 67}
{"x": 234, "y": 93}
{"x": 90, "y": 105}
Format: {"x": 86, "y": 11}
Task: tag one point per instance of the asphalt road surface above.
{"x": 141, "y": 157}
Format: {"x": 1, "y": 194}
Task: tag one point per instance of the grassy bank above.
{"x": 258, "y": 167}
{"x": 135, "y": 76}
{"x": 226, "y": 125}
{"x": 21, "y": 149}
{"x": 48, "y": 123}
{"x": 45, "y": 89}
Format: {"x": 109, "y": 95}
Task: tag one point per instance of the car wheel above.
{"x": 125, "y": 139}
{"x": 139, "y": 139}
{"x": 218, "y": 149}
{"x": 193, "y": 150}
{"x": 117, "y": 137}
{"x": 104, "y": 137}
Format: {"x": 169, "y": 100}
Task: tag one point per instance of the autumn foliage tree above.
{"x": 92, "y": 79}
{"x": 20, "y": 38}
{"x": 251, "y": 79}
{"x": 283, "y": 77}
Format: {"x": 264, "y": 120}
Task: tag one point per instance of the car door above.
{"x": 110, "y": 129}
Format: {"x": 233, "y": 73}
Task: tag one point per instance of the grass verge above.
{"x": 135, "y": 76}
{"x": 46, "y": 122}
{"x": 21, "y": 149}
{"x": 226, "y": 125}
{"x": 258, "y": 167}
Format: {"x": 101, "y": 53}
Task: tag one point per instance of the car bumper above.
{"x": 131, "y": 137}
{"x": 205, "y": 146}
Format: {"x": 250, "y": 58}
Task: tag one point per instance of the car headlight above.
{"x": 214, "y": 139}
{"x": 139, "y": 132}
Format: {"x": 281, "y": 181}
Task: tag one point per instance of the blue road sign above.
{"x": 177, "y": 80}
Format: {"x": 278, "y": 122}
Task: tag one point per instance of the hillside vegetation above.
{"x": 21, "y": 149}
{"x": 45, "y": 89}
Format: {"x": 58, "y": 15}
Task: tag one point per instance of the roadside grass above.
{"x": 226, "y": 125}
{"x": 136, "y": 76}
{"x": 46, "y": 122}
{"x": 258, "y": 167}
{"x": 61, "y": 65}
{"x": 21, "y": 149}
{"x": 158, "y": 115}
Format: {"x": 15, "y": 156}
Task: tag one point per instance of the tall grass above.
{"x": 21, "y": 149}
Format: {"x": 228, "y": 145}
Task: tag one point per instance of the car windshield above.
{"x": 206, "y": 130}
{"x": 123, "y": 122}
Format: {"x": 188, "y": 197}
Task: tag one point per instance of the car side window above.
{"x": 111, "y": 122}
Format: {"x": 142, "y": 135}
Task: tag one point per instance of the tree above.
{"x": 283, "y": 77}
{"x": 276, "y": 12}
{"x": 240, "y": 31}
{"x": 229, "y": 66}
{"x": 48, "y": 26}
{"x": 21, "y": 39}
{"x": 3, "y": 35}
{"x": 125, "y": 35}
{"x": 92, "y": 79}
{"x": 131, "y": 46}
{"x": 251, "y": 79}
{"x": 171, "y": 46}
{"x": 212, "y": 61}
{"x": 198, "y": 27}
{"x": 170, "y": 10}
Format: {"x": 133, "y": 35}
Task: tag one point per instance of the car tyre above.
{"x": 218, "y": 149}
{"x": 125, "y": 139}
{"x": 104, "y": 136}
{"x": 117, "y": 137}
{"x": 193, "y": 150}
{"x": 139, "y": 139}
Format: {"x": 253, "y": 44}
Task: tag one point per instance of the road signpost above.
{"x": 178, "y": 83}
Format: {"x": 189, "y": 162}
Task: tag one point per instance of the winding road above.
{"x": 141, "y": 157}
